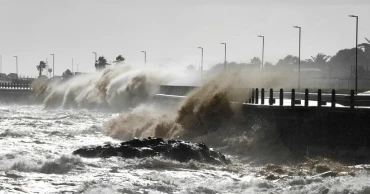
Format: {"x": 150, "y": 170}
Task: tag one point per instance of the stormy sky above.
{"x": 171, "y": 30}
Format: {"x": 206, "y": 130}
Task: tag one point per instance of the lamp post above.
{"x": 201, "y": 65}
{"x": 16, "y": 64}
{"x": 53, "y": 65}
{"x": 225, "y": 56}
{"x": 144, "y": 57}
{"x": 353, "y": 16}
{"x": 95, "y": 56}
{"x": 263, "y": 48}
{"x": 72, "y": 65}
{"x": 299, "y": 58}
{"x": 1, "y": 64}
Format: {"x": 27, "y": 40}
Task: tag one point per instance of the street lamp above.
{"x": 144, "y": 57}
{"x": 299, "y": 58}
{"x": 353, "y": 16}
{"x": 16, "y": 64}
{"x": 201, "y": 65}
{"x": 1, "y": 64}
{"x": 53, "y": 65}
{"x": 263, "y": 48}
{"x": 95, "y": 56}
{"x": 225, "y": 55}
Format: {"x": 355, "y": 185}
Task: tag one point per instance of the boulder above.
{"x": 182, "y": 151}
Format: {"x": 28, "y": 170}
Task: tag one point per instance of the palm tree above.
{"x": 320, "y": 60}
{"x": 119, "y": 58}
{"x": 41, "y": 67}
{"x": 101, "y": 63}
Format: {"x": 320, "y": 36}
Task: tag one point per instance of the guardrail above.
{"x": 176, "y": 90}
{"x": 351, "y": 100}
{"x": 15, "y": 86}
{"x": 300, "y": 97}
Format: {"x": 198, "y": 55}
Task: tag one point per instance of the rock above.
{"x": 320, "y": 168}
{"x": 272, "y": 177}
{"x": 326, "y": 174}
{"x": 181, "y": 151}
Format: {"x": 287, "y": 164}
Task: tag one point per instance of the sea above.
{"x": 37, "y": 140}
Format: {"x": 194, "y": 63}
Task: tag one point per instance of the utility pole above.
{"x": 72, "y": 65}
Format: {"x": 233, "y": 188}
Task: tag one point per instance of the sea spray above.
{"x": 115, "y": 88}
{"x": 211, "y": 114}
{"x": 142, "y": 121}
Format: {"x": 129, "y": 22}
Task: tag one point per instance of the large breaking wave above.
{"x": 211, "y": 113}
{"x": 116, "y": 88}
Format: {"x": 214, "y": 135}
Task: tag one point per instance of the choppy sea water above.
{"x": 35, "y": 157}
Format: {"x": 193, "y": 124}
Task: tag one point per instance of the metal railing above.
{"x": 15, "y": 86}
{"x": 296, "y": 98}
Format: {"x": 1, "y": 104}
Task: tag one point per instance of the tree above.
{"x": 366, "y": 47}
{"x": 67, "y": 74}
{"x": 220, "y": 67}
{"x": 255, "y": 62}
{"x": 12, "y": 76}
{"x": 268, "y": 65}
{"x": 319, "y": 61}
{"x": 101, "y": 63}
{"x": 41, "y": 67}
{"x": 343, "y": 63}
{"x": 190, "y": 68}
{"x": 119, "y": 58}
{"x": 289, "y": 62}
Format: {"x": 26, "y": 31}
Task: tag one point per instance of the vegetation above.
{"x": 67, "y": 74}
{"x": 341, "y": 65}
{"x": 119, "y": 58}
{"x": 41, "y": 67}
{"x": 101, "y": 63}
{"x": 190, "y": 68}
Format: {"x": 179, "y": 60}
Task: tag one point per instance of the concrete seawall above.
{"x": 340, "y": 131}
{"x": 15, "y": 96}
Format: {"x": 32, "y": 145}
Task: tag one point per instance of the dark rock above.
{"x": 272, "y": 177}
{"x": 181, "y": 151}
{"x": 322, "y": 168}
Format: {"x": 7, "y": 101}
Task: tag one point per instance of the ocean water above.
{"x": 35, "y": 157}
{"x": 117, "y": 104}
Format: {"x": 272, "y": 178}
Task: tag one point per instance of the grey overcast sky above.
{"x": 171, "y": 30}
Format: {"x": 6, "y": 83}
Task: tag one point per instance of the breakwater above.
{"x": 339, "y": 125}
